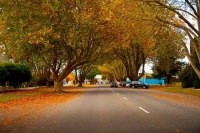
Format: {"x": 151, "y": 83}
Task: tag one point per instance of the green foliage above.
{"x": 196, "y": 80}
{"x": 14, "y": 74}
{"x": 113, "y": 70}
{"x": 174, "y": 69}
{"x": 188, "y": 91}
{"x": 3, "y": 74}
{"x": 90, "y": 75}
{"x": 186, "y": 77}
{"x": 10, "y": 97}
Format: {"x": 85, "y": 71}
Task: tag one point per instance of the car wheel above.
{"x": 133, "y": 86}
{"x": 143, "y": 87}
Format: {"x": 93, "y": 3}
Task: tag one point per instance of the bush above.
{"x": 196, "y": 83}
{"x": 196, "y": 80}
{"x": 14, "y": 74}
{"x": 186, "y": 77}
{"x": 3, "y": 74}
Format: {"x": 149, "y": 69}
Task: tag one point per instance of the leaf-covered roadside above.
{"x": 30, "y": 108}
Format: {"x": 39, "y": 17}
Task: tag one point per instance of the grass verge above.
{"x": 177, "y": 89}
{"x": 10, "y": 97}
{"x": 188, "y": 91}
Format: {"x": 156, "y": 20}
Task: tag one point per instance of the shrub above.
{"x": 186, "y": 77}
{"x": 14, "y": 74}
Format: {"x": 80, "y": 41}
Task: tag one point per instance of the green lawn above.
{"x": 188, "y": 91}
{"x": 9, "y": 97}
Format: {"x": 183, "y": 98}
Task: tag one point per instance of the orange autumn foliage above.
{"x": 70, "y": 77}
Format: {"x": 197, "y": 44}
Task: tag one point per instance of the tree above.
{"x": 184, "y": 15}
{"x": 92, "y": 73}
{"x": 172, "y": 70}
{"x": 2, "y": 52}
{"x": 167, "y": 53}
{"x": 70, "y": 77}
{"x": 114, "y": 70}
{"x": 196, "y": 80}
{"x": 186, "y": 76}
{"x": 135, "y": 36}
{"x": 80, "y": 73}
{"x": 62, "y": 34}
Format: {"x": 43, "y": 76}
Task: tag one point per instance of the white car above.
{"x": 128, "y": 85}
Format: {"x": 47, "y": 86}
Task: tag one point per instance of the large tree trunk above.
{"x": 80, "y": 84}
{"x": 48, "y": 83}
{"x": 58, "y": 86}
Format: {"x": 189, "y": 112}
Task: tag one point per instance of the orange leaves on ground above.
{"x": 46, "y": 99}
{"x": 31, "y": 108}
{"x": 7, "y": 121}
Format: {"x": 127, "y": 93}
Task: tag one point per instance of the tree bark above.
{"x": 48, "y": 83}
{"x": 58, "y": 86}
{"x": 80, "y": 84}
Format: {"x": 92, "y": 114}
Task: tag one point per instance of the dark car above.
{"x": 123, "y": 83}
{"x": 114, "y": 84}
{"x": 136, "y": 84}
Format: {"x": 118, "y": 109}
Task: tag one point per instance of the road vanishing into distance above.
{"x": 117, "y": 110}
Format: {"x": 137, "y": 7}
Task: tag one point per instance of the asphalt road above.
{"x": 117, "y": 110}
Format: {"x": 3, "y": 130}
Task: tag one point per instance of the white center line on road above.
{"x": 125, "y": 98}
{"x": 111, "y": 89}
{"x": 144, "y": 110}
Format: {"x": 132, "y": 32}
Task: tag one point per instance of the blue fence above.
{"x": 153, "y": 81}
{"x": 150, "y": 81}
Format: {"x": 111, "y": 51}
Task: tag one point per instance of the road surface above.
{"x": 116, "y": 110}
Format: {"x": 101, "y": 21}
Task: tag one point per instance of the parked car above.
{"x": 127, "y": 85}
{"x": 114, "y": 84}
{"x": 123, "y": 83}
{"x": 136, "y": 84}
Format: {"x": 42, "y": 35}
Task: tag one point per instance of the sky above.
{"x": 147, "y": 68}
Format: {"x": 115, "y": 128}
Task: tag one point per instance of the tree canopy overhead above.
{"x": 184, "y": 15}
{"x": 62, "y": 34}
{"x": 135, "y": 39}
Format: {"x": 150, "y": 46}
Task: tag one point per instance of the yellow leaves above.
{"x": 178, "y": 21}
{"x": 108, "y": 18}
{"x": 40, "y": 35}
{"x": 46, "y": 9}
{"x": 70, "y": 77}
